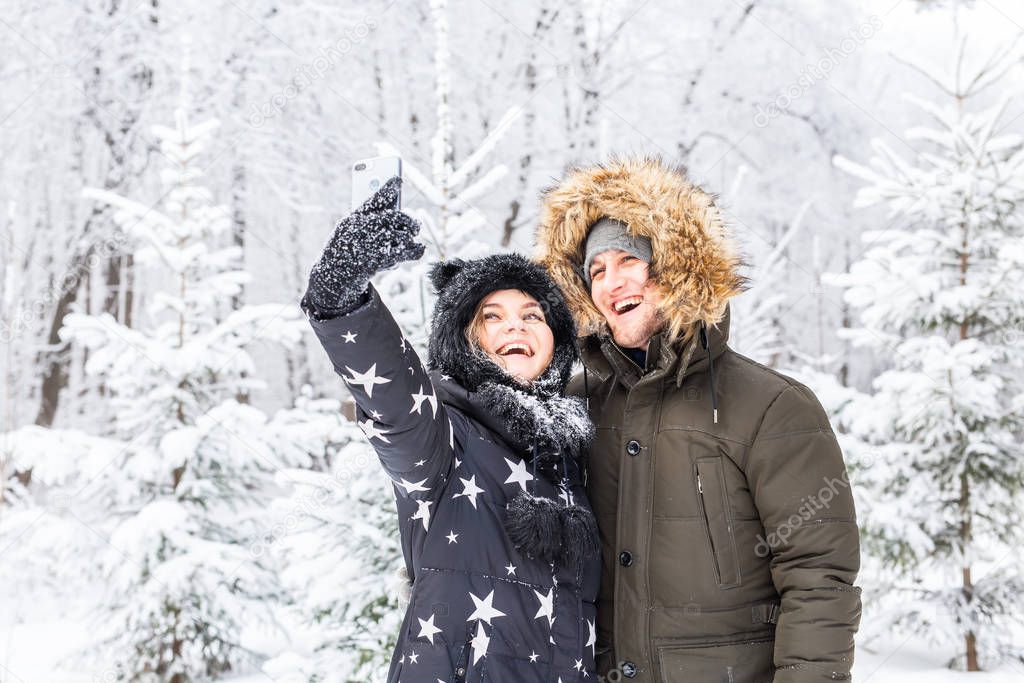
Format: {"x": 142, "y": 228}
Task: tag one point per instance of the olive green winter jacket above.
{"x": 728, "y": 527}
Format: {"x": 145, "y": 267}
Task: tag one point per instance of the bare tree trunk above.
{"x": 54, "y": 359}
{"x": 238, "y": 219}
{"x": 545, "y": 19}
{"x": 970, "y": 638}
{"x": 844, "y": 369}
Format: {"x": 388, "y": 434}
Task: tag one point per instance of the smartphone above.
{"x": 369, "y": 174}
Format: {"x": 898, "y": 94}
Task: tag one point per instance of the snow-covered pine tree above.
{"x": 939, "y": 293}
{"x": 338, "y": 536}
{"x": 184, "y": 498}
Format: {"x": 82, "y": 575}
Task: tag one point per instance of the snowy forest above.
{"x": 185, "y": 494}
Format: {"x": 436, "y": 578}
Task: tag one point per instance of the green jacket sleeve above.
{"x": 802, "y": 492}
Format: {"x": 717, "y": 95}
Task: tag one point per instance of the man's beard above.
{"x": 634, "y": 337}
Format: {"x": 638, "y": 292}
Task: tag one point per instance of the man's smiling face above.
{"x": 627, "y": 297}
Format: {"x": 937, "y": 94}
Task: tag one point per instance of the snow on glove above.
{"x": 373, "y": 238}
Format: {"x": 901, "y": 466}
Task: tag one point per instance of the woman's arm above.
{"x": 397, "y": 407}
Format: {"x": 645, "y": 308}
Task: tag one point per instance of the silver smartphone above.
{"x": 369, "y": 174}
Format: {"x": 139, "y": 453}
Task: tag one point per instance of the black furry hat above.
{"x": 461, "y": 285}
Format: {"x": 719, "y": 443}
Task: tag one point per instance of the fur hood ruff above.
{"x": 695, "y": 263}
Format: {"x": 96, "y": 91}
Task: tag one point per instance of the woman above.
{"x": 496, "y": 531}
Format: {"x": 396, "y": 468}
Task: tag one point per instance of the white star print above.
{"x": 403, "y": 345}
{"x": 510, "y": 569}
{"x": 579, "y": 665}
{"x": 469, "y": 489}
{"x": 546, "y": 606}
{"x": 420, "y": 463}
{"x": 428, "y": 629}
{"x": 372, "y": 432}
{"x": 418, "y": 400}
{"x": 592, "y": 638}
{"x": 445, "y": 378}
{"x": 519, "y": 474}
{"x": 485, "y": 610}
{"x": 452, "y": 537}
{"x": 480, "y": 642}
{"x": 413, "y": 488}
{"x": 413, "y": 657}
{"x": 423, "y": 512}
{"x": 533, "y": 657}
{"x": 349, "y": 337}
{"x": 375, "y": 415}
{"x": 368, "y": 379}
{"x": 457, "y": 463}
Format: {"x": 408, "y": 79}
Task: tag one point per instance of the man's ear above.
{"x": 443, "y": 272}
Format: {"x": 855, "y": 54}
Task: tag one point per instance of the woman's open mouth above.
{"x": 515, "y": 349}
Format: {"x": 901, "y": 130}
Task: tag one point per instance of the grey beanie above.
{"x": 608, "y": 234}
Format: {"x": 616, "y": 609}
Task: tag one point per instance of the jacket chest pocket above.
{"x": 717, "y": 517}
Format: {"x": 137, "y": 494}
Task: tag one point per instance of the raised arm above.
{"x": 397, "y": 407}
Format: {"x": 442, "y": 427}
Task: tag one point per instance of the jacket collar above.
{"x": 604, "y": 358}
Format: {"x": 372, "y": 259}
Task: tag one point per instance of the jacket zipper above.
{"x": 707, "y": 529}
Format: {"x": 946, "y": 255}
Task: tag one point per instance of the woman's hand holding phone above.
{"x": 373, "y": 238}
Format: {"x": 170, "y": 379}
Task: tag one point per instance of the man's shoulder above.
{"x": 747, "y": 368}
{"x": 778, "y": 397}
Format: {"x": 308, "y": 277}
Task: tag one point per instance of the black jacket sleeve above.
{"x": 396, "y": 405}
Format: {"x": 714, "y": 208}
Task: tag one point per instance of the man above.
{"x": 727, "y": 523}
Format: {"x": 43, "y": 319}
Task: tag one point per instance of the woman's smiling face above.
{"x": 510, "y": 327}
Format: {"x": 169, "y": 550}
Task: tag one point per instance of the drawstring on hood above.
{"x": 711, "y": 368}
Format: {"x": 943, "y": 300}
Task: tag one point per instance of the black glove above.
{"x": 373, "y": 238}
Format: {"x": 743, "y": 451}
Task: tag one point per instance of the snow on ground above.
{"x": 30, "y": 652}
{"x": 904, "y": 660}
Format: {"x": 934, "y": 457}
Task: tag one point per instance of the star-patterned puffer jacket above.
{"x": 461, "y": 443}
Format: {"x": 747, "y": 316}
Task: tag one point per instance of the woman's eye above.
{"x": 490, "y": 316}
{"x": 594, "y": 275}
{"x": 535, "y": 316}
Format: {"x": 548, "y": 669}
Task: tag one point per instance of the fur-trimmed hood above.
{"x": 695, "y": 263}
